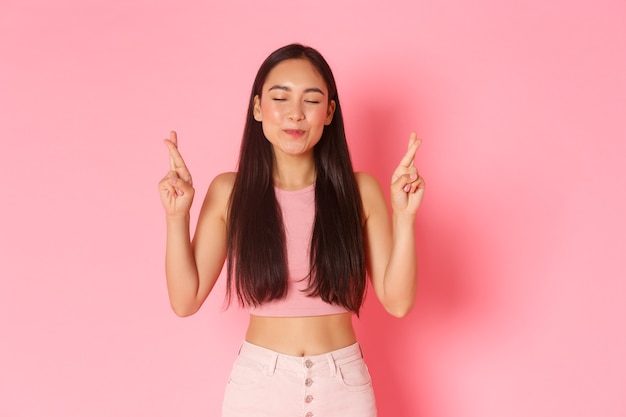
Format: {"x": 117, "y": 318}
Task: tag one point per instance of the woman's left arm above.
{"x": 390, "y": 248}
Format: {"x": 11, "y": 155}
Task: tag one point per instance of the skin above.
{"x": 293, "y": 109}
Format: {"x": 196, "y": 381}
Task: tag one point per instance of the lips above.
{"x": 294, "y": 132}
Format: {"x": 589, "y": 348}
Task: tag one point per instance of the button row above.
{"x": 308, "y": 382}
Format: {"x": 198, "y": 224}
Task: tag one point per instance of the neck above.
{"x": 294, "y": 172}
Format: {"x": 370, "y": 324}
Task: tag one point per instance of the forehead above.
{"x": 295, "y": 74}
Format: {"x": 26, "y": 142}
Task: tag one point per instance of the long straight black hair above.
{"x": 257, "y": 260}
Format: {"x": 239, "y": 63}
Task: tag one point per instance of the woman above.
{"x": 300, "y": 230}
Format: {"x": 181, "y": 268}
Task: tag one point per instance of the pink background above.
{"x": 521, "y": 106}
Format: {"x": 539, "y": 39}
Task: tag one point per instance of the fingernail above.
{"x": 172, "y": 181}
{"x": 413, "y": 176}
{"x": 407, "y": 188}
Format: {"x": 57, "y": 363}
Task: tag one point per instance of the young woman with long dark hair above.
{"x": 300, "y": 231}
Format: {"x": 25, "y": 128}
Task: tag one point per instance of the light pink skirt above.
{"x": 264, "y": 383}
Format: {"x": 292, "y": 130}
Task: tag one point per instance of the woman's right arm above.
{"x": 192, "y": 267}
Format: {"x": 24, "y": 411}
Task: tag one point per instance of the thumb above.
{"x": 182, "y": 187}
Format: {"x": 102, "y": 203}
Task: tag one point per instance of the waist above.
{"x": 310, "y": 364}
{"x": 302, "y": 336}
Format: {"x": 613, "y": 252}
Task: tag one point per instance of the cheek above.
{"x": 272, "y": 112}
{"x": 319, "y": 116}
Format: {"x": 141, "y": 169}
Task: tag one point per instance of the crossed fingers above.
{"x": 407, "y": 163}
{"x": 177, "y": 164}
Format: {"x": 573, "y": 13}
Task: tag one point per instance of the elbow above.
{"x": 399, "y": 312}
{"x": 183, "y": 310}
{"x": 399, "y": 309}
{"x": 183, "y": 313}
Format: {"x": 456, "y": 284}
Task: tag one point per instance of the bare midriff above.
{"x": 302, "y": 336}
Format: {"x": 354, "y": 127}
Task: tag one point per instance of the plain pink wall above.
{"x": 521, "y": 106}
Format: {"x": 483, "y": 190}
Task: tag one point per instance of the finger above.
{"x": 420, "y": 184}
{"x": 182, "y": 187}
{"x": 414, "y": 144}
{"x": 412, "y": 139}
{"x": 165, "y": 185}
{"x": 409, "y": 157}
{"x": 176, "y": 159}
{"x": 174, "y": 138}
{"x": 417, "y": 185}
{"x": 400, "y": 171}
{"x": 183, "y": 173}
{"x": 404, "y": 182}
{"x": 172, "y": 164}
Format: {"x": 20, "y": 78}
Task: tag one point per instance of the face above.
{"x": 294, "y": 107}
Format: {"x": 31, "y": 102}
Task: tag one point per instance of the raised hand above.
{"x": 176, "y": 188}
{"x": 407, "y": 187}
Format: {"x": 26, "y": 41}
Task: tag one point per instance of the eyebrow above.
{"x": 285, "y": 88}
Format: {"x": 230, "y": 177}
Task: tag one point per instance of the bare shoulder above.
{"x": 224, "y": 182}
{"x": 371, "y": 192}
{"x": 365, "y": 181}
{"x": 368, "y": 185}
{"x": 218, "y": 194}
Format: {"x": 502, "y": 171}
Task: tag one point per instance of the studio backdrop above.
{"x": 521, "y": 235}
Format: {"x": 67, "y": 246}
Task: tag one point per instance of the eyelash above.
{"x": 306, "y": 101}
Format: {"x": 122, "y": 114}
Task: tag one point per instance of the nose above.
{"x": 295, "y": 112}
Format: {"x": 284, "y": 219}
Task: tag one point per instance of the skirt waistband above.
{"x": 325, "y": 362}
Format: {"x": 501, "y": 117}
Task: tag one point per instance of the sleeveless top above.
{"x": 298, "y": 210}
